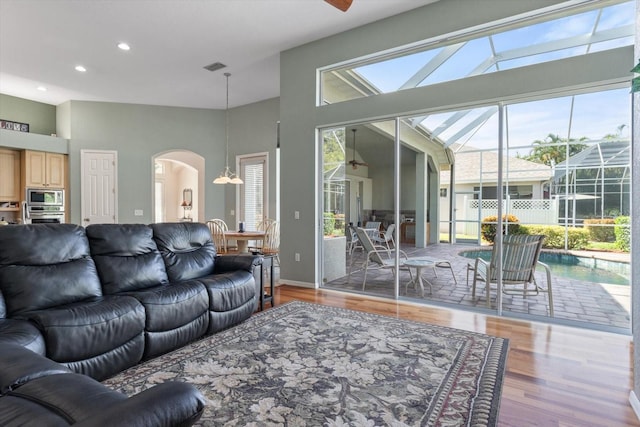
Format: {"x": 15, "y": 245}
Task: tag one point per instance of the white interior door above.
{"x": 99, "y": 187}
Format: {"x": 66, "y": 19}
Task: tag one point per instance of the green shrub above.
{"x": 578, "y": 238}
{"x": 601, "y": 230}
{"x": 489, "y": 226}
{"x": 329, "y": 223}
{"x": 340, "y": 226}
{"x": 623, "y": 233}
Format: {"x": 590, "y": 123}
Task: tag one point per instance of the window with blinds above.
{"x": 253, "y": 194}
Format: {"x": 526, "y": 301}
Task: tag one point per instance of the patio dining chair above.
{"x": 377, "y": 257}
{"x": 352, "y": 239}
{"x": 386, "y": 237}
{"x": 372, "y": 228}
{"x": 520, "y": 256}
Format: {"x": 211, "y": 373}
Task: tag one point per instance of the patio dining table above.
{"x": 419, "y": 264}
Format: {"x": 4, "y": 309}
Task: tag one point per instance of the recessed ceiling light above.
{"x": 80, "y": 68}
{"x": 42, "y": 88}
{"x": 124, "y": 46}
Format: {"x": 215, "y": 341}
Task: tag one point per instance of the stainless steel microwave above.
{"x": 42, "y": 197}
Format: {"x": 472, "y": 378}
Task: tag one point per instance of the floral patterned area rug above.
{"x": 304, "y": 364}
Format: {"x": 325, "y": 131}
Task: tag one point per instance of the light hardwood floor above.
{"x": 556, "y": 375}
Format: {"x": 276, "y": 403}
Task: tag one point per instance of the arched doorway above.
{"x": 173, "y": 172}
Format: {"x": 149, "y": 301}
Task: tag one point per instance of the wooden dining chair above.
{"x": 271, "y": 242}
{"x": 218, "y": 228}
{"x": 262, "y": 225}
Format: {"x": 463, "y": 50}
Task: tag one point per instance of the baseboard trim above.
{"x": 635, "y": 403}
{"x": 297, "y": 283}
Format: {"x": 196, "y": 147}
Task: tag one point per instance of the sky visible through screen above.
{"x": 595, "y": 115}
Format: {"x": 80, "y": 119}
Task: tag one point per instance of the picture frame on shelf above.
{"x": 17, "y": 126}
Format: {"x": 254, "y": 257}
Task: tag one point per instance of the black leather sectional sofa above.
{"x": 82, "y": 304}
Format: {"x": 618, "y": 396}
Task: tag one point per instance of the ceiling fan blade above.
{"x": 343, "y": 5}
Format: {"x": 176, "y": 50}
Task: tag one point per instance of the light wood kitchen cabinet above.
{"x": 44, "y": 169}
{"x": 10, "y": 176}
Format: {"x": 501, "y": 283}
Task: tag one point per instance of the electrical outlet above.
{"x": 232, "y": 213}
{"x": 297, "y": 257}
{"x": 138, "y": 212}
{"x": 296, "y": 215}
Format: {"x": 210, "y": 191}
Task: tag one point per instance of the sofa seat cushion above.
{"x": 82, "y": 330}
{"x": 232, "y": 298}
{"x": 176, "y": 314}
{"x": 231, "y": 290}
{"x": 171, "y": 306}
{"x": 22, "y": 333}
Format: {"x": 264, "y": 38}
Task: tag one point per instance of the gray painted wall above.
{"x": 40, "y": 117}
{"x": 137, "y": 132}
{"x": 254, "y": 130}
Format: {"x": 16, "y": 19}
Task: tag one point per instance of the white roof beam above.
{"x": 424, "y": 72}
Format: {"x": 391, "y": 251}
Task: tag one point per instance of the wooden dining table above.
{"x": 243, "y": 237}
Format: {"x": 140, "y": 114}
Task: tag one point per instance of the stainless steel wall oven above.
{"x": 43, "y": 206}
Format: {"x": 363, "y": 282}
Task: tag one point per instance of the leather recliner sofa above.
{"x": 35, "y": 391}
{"x": 101, "y": 299}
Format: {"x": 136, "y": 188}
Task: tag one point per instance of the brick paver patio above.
{"x": 596, "y": 304}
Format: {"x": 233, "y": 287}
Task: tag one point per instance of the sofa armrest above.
{"x": 21, "y": 365}
{"x": 166, "y": 404}
{"x": 226, "y": 263}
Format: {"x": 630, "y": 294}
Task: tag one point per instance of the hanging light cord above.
{"x": 227, "y": 177}
{"x": 226, "y": 125}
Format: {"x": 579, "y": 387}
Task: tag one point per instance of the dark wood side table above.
{"x": 267, "y": 263}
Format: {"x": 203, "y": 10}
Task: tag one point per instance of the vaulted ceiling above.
{"x": 41, "y": 42}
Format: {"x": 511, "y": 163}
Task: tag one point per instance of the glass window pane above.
{"x": 252, "y": 203}
{"x": 568, "y": 36}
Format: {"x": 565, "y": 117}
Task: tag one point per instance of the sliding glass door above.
{"x": 358, "y": 191}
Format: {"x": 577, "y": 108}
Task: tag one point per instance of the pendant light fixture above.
{"x": 227, "y": 177}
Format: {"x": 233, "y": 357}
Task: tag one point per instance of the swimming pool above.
{"x": 574, "y": 267}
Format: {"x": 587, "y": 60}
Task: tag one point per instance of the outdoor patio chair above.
{"x": 372, "y": 228}
{"x": 352, "y": 239}
{"x": 520, "y": 254}
{"x": 377, "y": 257}
{"x": 386, "y": 237}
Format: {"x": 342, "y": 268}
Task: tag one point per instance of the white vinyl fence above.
{"x": 528, "y": 211}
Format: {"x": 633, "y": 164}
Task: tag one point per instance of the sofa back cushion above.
{"x": 45, "y": 265}
{"x": 187, "y": 249}
{"x": 126, "y": 257}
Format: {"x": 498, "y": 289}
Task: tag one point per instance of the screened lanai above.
{"x": 595, "y": 183}
{"x": 494, "y": 134}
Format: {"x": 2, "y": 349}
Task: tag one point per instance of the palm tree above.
{"x": 553, "y": 150}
